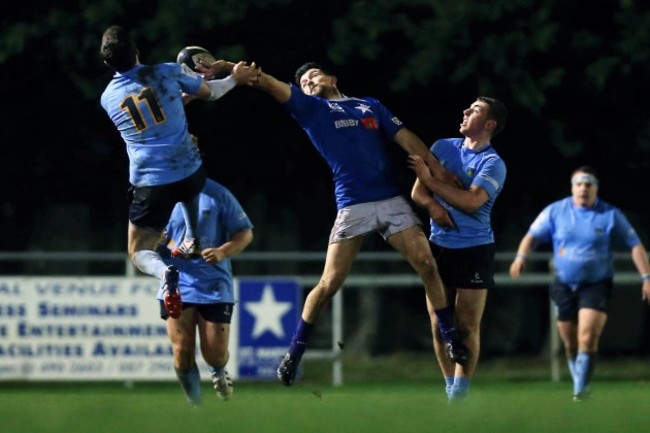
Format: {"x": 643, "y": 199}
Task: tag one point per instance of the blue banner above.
{"x": 268, "y": 311}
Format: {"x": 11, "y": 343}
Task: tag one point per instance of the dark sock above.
{"x": 300, "y": 339}
{"x": 446, "y": 323}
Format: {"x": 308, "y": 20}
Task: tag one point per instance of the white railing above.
{"x": 405, "y": 278}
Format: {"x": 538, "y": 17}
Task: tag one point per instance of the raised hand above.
{"x": 246, "y": 74}
{"x": 211, "y": 70}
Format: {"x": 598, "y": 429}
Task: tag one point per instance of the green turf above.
{"x": 494, "y": 406}
{"x": 397, "y": 394}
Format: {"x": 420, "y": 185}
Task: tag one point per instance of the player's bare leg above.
{"x": 338, "y": 262}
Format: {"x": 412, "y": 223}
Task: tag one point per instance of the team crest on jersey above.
{"x": 335, "y": 107}
{"x": 370, "y": 123}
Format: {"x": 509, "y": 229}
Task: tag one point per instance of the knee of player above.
{"x": 425, "y": 266}
{"x": 589, "y": 341}
{"x": 219, "y": 359}
{"x": 468, "y": 330}
{"x": 184, "y": 358}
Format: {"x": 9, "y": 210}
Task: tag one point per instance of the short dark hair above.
{"x": 585, "y": 169}
{"x": 118, "y": 49}
{"x": 307, "y": 66}
{"x": 498, "y": 112}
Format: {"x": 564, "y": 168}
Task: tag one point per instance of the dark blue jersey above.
{"x": 352, "y": 134}
{"x": 145, "y": 104}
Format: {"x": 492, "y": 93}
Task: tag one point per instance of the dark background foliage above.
{"x": 574, "y": 75}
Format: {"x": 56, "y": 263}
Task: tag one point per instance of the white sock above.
{"x": 150, "y": 263}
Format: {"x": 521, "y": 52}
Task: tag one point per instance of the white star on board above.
{"x": 363, "y": 108}
{"x": 268, "y": 313}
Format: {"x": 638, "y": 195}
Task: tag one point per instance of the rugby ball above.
{"x": 192, "y": 55}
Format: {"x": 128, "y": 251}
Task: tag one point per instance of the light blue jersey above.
{"x": 483, "y": 168}
{"x": 583, "y": 239}
{"x": 352, "y": 134}
{"x": 146, "y": 106}
{"x": 220, "y": 217}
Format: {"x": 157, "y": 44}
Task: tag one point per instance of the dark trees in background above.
{"x": 575, "y": 84}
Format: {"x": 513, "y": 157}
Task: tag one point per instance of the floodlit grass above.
{"x": 497, "y": 403}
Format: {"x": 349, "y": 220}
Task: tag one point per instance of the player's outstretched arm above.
{"x": 210, "y": 70}
{"x": 280, "y": 90}
{"x": 241, "y": 74}
{"x": 413, "y": 145}
{"x": 245, "y": 74}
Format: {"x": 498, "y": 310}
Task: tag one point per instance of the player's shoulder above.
{"x": 562, "y": 205}
{"x": 174, "y": 69}
{"x": 492, "y": 152}
{"x": 450, "y": 142}
{"x": 606, "y": 206}
{"x": 215, "y": 189}
{"x": 169, "y": 70}
{"x": 170, "y": 65}
{"x": 366, "y": 98}
{"x": 369, "y": 100}
{"x": 493, "y": 158}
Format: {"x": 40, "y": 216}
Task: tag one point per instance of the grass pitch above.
{"x": 497, "y": 403}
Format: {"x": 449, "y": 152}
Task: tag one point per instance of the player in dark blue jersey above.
{"x": 145, "y": 102}
{"x": 206, "y": 287}
{"x": 352, "y": 134}
{"x": 465, "y": 249}
{"x": 584, "y": 231}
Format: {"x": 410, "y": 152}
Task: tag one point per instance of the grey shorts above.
{"x": 386, "y": 217}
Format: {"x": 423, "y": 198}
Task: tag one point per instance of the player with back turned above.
{"x": 146, "y": 104}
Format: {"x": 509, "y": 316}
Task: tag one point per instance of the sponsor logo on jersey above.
{"x": 396, "y": 121}
{"x": 345, "y": 123}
